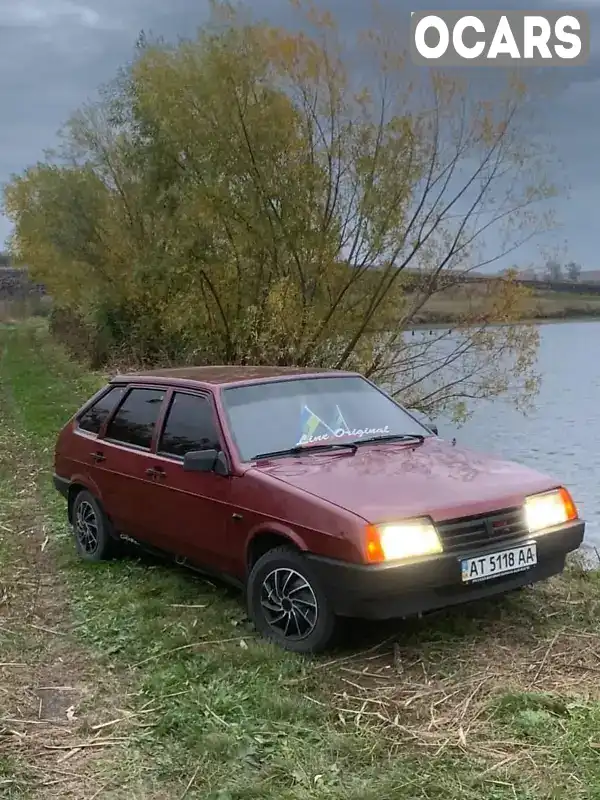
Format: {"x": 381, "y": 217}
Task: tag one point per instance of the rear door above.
{"x": 190, "y": 510}
{"x": 79, "y": 457}
{"x": 124, "y": 453}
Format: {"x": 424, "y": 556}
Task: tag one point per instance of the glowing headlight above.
{"x": 549, "y": 509}
{"x": 400, "y": 540}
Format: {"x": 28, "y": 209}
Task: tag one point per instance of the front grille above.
{"x": 471, "y": 533}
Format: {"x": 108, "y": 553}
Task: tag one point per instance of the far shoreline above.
{"x": 449, "y": 323}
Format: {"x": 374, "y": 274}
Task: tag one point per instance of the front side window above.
{"x": 189, "y": 426}
{"x": 136, "y": 419}
{"x": 95, "y": 417}
{"x": 278, "y": 415}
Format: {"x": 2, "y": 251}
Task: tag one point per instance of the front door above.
{"x": 190, "y": 510}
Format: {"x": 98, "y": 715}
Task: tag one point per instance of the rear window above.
{"x": 94, "y": 418}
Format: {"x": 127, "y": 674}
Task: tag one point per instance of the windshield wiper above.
{"x": 306, "y": 448}
{"x": 393, "y": 437}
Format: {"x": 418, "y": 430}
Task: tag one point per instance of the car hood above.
{"x": 390, "y": 481}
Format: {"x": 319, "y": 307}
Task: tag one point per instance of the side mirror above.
{"x": 424, "y": 420}
{"x": 206, "y": 461}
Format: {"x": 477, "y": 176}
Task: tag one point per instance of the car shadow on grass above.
{"x": 505, "y": 616}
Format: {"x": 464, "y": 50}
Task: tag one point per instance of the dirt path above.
{"x": 55, "y": 699}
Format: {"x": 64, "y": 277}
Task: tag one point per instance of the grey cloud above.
{"x": 55, "y": 53}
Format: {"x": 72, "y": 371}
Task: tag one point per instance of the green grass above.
{"x": 13, "y": 781}
{"x": 492, "y": 702}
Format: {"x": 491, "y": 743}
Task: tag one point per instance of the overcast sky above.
{"x": 55, "y": 53}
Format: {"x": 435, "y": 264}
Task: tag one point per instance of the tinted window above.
{"x": 189, "y": 426}
{"x": 277, "y": 415}
{"x": 95, "y": 417}
{"x": 135, "y": 420}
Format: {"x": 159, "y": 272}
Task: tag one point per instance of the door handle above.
{"x": 98, "y": 456}
{"x": 155, "y": 472}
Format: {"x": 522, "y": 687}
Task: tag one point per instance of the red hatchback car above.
{"x": 315, "y": 491}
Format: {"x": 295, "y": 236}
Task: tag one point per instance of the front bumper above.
{"x": 386, "y": 591}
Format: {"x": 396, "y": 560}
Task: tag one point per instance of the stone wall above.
{"x": 15, "y": 284}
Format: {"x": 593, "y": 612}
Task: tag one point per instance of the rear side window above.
{"x": 95, "y": 417}
{"x": 135, "y": 420}
{"x": 189, "y": 426}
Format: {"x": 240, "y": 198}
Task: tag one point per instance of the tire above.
{"x": 91, "y": 529}
{"x": 279, "y": 572}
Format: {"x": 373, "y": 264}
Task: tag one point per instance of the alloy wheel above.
{"x": 289, "y": 604}
{"x": 86, "y": 527}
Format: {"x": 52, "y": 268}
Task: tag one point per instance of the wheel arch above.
{"x": 77, "y": 485}
{"x": 269, "y": 537}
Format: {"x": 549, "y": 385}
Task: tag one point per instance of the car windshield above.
{"x": 279, "y": 415}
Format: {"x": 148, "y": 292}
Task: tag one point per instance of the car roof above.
{"x": 224, "y": 375}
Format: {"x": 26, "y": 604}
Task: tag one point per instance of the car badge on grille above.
{"x": 496, "y": 526}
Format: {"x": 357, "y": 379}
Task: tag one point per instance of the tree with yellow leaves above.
{"x": 262, "y": 195}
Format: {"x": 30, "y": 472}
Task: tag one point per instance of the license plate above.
{"x": 491, "y": 565}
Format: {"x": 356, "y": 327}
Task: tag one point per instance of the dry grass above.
{"x": 445, "y": 307}
{"x": 514, "y": 690}
{"x": 54, "y": 697}
{"x": 433, "y": 694}
{"x": 66, "y": 723}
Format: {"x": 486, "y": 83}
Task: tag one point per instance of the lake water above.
{"x": 562, "y": 435}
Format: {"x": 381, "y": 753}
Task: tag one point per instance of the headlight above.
{"x": 549, "y": 509}
{"x": 400, "y": 540}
